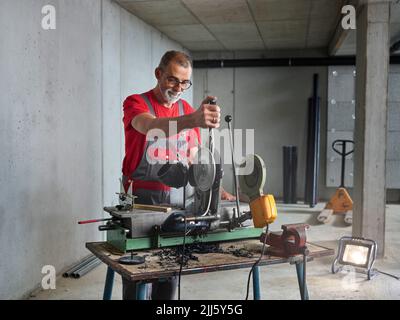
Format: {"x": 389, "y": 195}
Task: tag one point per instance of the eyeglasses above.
{"x": 185, "y": 84}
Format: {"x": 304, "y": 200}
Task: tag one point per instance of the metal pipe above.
{"x": 73, "y": 274}
{"x": 200, "y": 218}
{"x": 81, "y": 272}
{"x": 68, "y": 273}
{"x": 313, "y": 141}
{"x": 308, "y": 154}
{"x": 86, "y": 260}
{"x": 88, "y": 268}
{"x": 317, "y": 139}
{"x": 289, "y": 174}
{"x": 282, "y": 62}
{"x": 228, "y": 120}
{"x": 224, "y": 223}
{"x": 184, "y": 197}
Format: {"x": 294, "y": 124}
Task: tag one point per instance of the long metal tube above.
{"x": 80, "y": 272}
{"x": 88, "y": 269}
{"x": 317, "y": 138}
{"x": 82, "y": 267}
{"x": 289, "y": 174}
{"x": 200, "y": 218}
{"x": 313, "y": 141}
{"x": 228, "y": 120}
{"x": 86, "y": 260}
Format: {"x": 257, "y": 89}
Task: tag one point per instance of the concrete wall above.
{"x": 341, "y": 121}
{"x": 132, "y": 50}
{"x": 61, "y": 139}
{"x": 273, "y": 101}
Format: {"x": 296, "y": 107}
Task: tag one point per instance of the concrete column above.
{"x": 371, "y": 118}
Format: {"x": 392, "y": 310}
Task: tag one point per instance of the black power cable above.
{"x": 257, "y": 262}
{"x": 387, "y": 274}
{"x": 182, "y": 259}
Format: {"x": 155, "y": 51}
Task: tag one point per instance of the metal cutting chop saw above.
{"x": 135, "y": 226}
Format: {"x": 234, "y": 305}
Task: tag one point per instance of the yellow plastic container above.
{"x": 263, "y": 210}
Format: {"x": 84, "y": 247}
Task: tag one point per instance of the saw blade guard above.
{"x": 205, "y": 176}
{"x": 252, "y": 183}
{"x": 202, "y": 171}
{"x": 263, "y": 207}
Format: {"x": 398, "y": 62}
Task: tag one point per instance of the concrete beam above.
{"x": 371, "y": 122}
{"x": 340, "y": 34}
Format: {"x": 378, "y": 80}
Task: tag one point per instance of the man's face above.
{"x": 173, "y": 80}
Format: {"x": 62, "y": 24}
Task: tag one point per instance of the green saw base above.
{"x": 117, "y": 238}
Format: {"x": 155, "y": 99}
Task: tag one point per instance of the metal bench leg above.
{"x": 109, "y": 284}
{"x": 141, "y": 291}
{"x": 302, "y": 280}
{"x": 256, "y": 283}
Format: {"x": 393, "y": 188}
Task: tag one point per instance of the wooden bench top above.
{"x": 207, "y": 262}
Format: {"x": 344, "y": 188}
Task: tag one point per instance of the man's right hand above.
{"x": 208, "y": 115}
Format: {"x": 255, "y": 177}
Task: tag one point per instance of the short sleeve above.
{"x": 133, "y": 106}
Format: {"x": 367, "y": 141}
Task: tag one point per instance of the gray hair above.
{"x": 177, "y": 57}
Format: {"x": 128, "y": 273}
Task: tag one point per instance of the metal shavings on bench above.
{"x": 169, "y": 257}
{"x": 239, "y": 252}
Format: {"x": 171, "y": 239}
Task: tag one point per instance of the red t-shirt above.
{"x": 135, "y": 141}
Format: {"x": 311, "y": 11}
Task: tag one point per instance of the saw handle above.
{"x": 228, "y": 120}
{"x": 210, "y": 132}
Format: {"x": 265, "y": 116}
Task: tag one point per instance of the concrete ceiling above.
{"x": 348, "y": 47}
{"x": 227, "y": 25}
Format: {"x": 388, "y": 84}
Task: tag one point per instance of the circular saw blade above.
{"x": 252, "y": 184}
{"x": 203, "y": 170}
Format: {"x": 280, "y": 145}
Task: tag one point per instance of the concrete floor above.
{"x": 279, "y": 281}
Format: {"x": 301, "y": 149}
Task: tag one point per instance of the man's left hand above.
{"x": 227, "y": 196}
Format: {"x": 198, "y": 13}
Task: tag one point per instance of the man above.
{"x": 156, "y": 110}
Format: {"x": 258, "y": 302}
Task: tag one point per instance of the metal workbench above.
{"x": 208, "y": 262}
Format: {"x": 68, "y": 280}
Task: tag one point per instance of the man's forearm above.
{"x": 146, "y": 123}
{"x": 207, "y": 116}
{"x": 165, "y": 124}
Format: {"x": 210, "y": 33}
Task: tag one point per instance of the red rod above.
{"x": 94, "y": 220}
